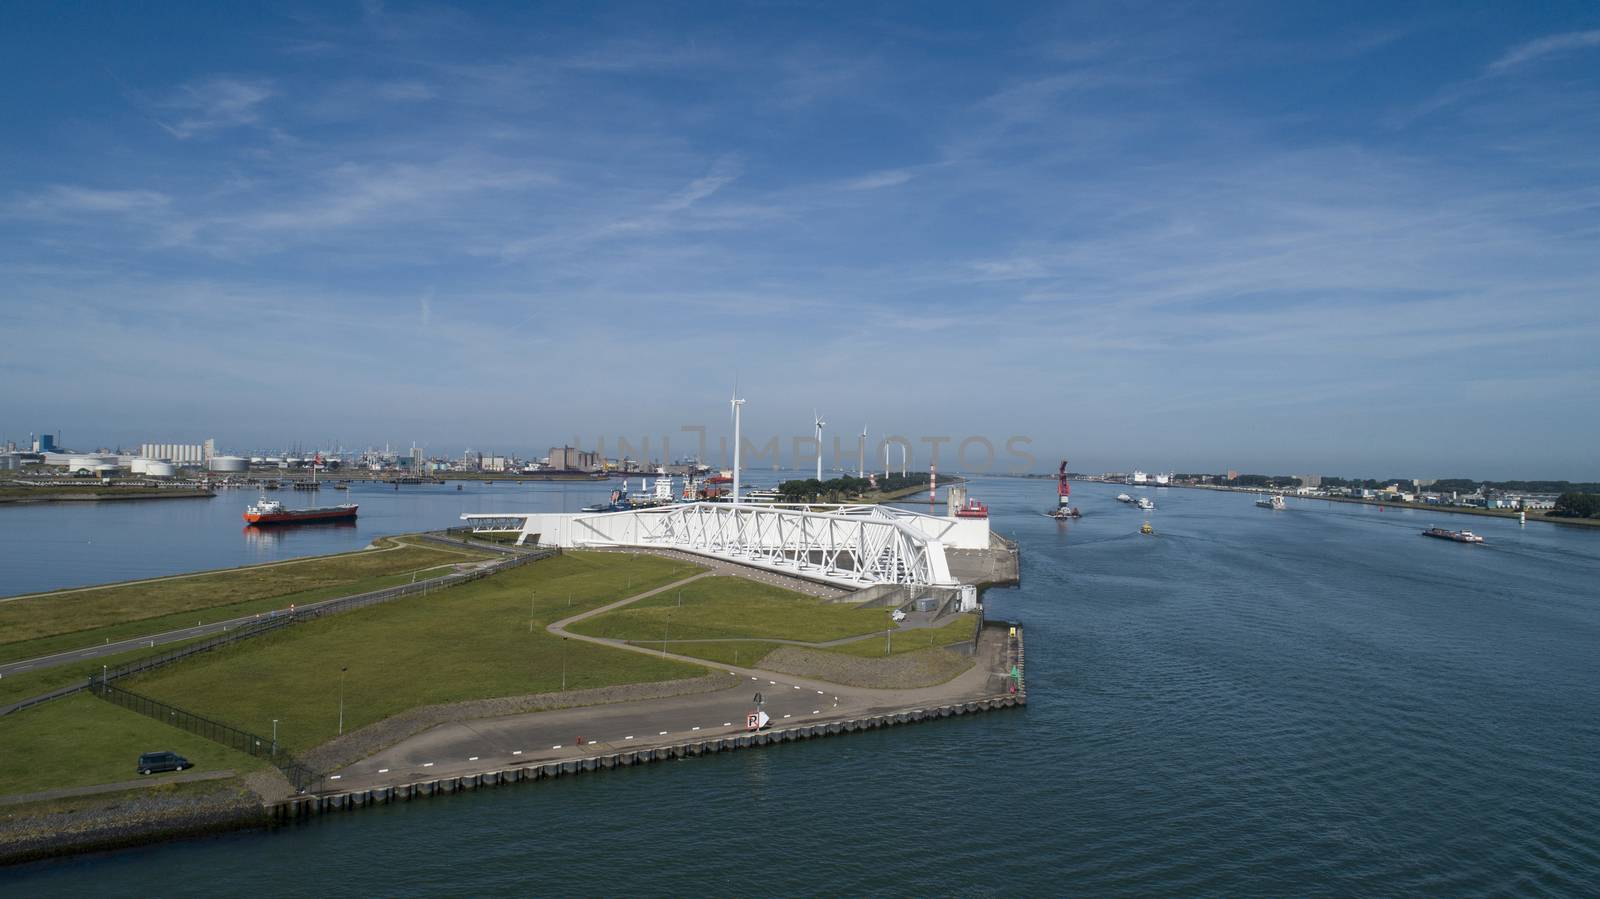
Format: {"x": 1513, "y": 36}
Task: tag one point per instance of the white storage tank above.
{"x": 139, "y": 465}
{"x": 229, "y": 463}
{"x": 90, "y": 464}
{"x": 160, "y": 469}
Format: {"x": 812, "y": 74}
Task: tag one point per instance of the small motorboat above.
{"x": 1147, "y": 530}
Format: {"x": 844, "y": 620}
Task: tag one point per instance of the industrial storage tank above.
{"x": 160, "y": 469}
{"x": 91, "y": 464}
{"x": 139, "y": 466}
{"x": 229, "y": 463}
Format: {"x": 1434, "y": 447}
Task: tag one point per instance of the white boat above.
{"x": 1144, "y": 503}
{"x": 1124, "y": 498}
{"x": 1275, "y": 503}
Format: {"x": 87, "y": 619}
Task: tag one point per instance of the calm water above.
{"x": 1310, "y": 702}
{"x": 54, "y": 545}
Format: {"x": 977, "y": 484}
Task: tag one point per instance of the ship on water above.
{"x": 271, "y": 511}
{"x": 1064, "y": 507}
{"x": 1275, "y": 503}
{"x": 1457, "y": 536}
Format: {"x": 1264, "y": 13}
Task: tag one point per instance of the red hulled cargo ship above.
{"x": 270, "y": 511}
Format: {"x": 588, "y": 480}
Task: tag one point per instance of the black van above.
{"x": 151, "y": 762}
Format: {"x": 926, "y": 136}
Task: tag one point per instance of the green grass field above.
{"x": 733, "y": 607}
{"x": 914, "y": 639}
{"x": 14, "y": 687}
{"x": 118, "y": 611}
{"x": 82, "y": 740}
{"x": 730, "y": 652}
{"x": 477, "y": 641}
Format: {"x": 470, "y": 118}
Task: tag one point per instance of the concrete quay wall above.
{"x": 310, "y": 806}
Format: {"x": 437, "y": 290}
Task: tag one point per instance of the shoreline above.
{"x": 152, "y": 817}
{"x": 1504, "y": 514}
{"x": 64, "y": 497}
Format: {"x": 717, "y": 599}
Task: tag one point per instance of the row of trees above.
{"x": 1577, "y": 505}
{"x": 845, "y": 487}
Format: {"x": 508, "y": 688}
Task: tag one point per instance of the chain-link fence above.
{"x": 232, "y": 737}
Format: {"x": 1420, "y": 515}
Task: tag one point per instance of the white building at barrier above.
{"x": 850, "y": 546}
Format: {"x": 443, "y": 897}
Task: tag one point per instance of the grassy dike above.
{"x": 82, "y": 740}
{"x": 481, "y": 640}
{"x": 39, "y": 624}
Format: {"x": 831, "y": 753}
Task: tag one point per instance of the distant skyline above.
{"x": 1351, "y": 239}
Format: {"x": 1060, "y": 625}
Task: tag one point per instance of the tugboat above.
{"x": 1457, "y": 536}
{"x": 1144, "y": 504}
{"x": 1275, "y": 503}
{"x": 270, "y": 511}
{"x": 1147, "y": 530}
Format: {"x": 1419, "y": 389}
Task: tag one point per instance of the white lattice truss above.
{"x": 853, "y": 546}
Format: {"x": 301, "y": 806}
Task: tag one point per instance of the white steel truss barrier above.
{"x": 851, "y": 546}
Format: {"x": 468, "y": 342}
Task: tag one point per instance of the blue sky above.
{"x": 1338, "y": 238}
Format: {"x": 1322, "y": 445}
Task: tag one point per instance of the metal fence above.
{"x": 232, "y": 737}
{"x": 301, "y": 776}
{"x": 277, "y": 620}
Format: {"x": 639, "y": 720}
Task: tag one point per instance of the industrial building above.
{"x": 180, "y": 453}
{"x": 566, "y": 458}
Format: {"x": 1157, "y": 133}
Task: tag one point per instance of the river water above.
{"x": 1313, "y": 701}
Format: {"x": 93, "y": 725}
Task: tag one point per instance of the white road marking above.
{"x": 427, "y": 764}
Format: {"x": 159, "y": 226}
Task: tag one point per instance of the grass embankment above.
{"x": 955, "y": 631}
{"x": 733, "y": 607}
{"x": 82, "y": 740}
{"x": 737, "y": 622}
{"x": 25, "y": 684}
{"x": 41, "y": 624}
{"x": 478, "y": 641}
{"x": 18, "y": 493}
{"x": 499, "y": 538}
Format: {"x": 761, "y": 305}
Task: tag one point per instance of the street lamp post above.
{"x": 274, "y": 736}
{"x": 342, "y": 670}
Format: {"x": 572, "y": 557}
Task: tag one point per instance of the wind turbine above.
{"x": 734, "y": 403}
{"x": 817, "y": 419}
{"x": 861, "y": 454}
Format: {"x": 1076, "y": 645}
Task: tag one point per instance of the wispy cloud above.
{"x": 67, "y": 199}
{"x": 1530, "y": 51}
{"x": 214, "y": 104}
{"x": 879, "y": 180}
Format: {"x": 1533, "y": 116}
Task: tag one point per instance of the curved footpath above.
{"x": 577, "y": 733}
